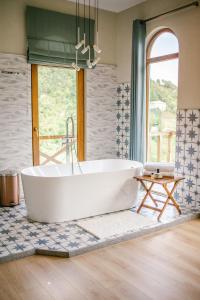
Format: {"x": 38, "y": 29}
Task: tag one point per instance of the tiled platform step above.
{"x": 20, "y": 238}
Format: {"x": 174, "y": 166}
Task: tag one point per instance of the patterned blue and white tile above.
{"x": 192, "y": 117}
{"x": 180, "y": 134}
{"x": 180, "y": 149}
{"x": 188, "y": 155}
{"x": 73, "y": 244}
{"x": 64, "y": 238}
{"x": 10, "y": 239}
{"x": 191, "y": 150}
{"x": 123, "y": 120}
{"x": 180, "y": 117}
{"x": 4, "y": 253}
{"x": 42, "y": 241}
{"x": 192, "y": 134}
{"x": 189, "y": 198}
{"x": 190, "y": 167}
{"x": 19, "y": 247}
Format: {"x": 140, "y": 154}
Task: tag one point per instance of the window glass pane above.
{"x": 164, "y": 44}
{"x": 57, "y": 101}
{"x": 162, "y": 110}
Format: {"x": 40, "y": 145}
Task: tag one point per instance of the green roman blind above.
{"x": 52, "y": 37}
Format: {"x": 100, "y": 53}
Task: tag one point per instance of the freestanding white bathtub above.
{"x": 53, "y": 194}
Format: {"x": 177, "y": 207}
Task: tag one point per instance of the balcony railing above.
{"x": 164, "y": 150}
{"x": 52, "y": 158}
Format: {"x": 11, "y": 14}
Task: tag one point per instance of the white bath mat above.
{"x": 119, "y": 223}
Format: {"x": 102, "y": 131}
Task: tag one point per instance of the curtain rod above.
{"x": 195, "y": 3}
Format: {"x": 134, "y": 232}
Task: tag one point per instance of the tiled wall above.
{"x": 122, "y": 109}
{"x": 188, "y": 157}
{"x": 101, "y": 85}
{"x": 15, "y": 112}
{"x": 187, "y": 146}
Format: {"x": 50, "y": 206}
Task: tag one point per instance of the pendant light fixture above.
{"x": 82, "y": 43}
{"x": 95, "y": 62}
{"x": 75, "y": 65}
{"x": 96, "y": 48}
{"x": 89, "y": 63}
{"x": 86, "y": 48}
{"x": 96, "y": 45}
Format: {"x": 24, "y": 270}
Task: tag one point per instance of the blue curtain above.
{"x": 137, "y": 149}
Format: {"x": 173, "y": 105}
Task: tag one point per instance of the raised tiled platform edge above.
{"x": 101, "y": 244}
{"x": 133, "y": 235}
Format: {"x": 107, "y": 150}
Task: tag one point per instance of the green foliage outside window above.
{"x": 57, "y": 101}
{"x": 162, "y": 116}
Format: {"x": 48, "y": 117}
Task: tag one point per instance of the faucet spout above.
{"x": 68, "y": 121}
{"x": 70, "y": 142}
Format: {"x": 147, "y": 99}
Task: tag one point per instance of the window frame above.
{"x": 80, "y": 86}
{"x": 149, "y": 61}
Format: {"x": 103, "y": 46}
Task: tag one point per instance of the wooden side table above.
{"x": 164, "y": 183}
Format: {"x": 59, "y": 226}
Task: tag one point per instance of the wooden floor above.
{"x": 165, "y": 265}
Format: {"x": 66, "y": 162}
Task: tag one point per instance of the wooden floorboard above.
{"x": 163, "y": 265}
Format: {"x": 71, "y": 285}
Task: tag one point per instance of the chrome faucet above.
{"x": 70, "y": 140}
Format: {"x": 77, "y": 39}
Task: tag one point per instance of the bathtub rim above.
{"x": 138, "y": 165}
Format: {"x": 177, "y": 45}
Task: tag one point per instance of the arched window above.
{"x": 162, "y": 87}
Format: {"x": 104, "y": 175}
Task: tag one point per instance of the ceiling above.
{"x": 113, "y": 5}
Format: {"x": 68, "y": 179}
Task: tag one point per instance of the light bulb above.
{"x": 85, "y": 49}
{"x": 89, "y": 64}
{"x": 76, "y": 67}
{"x": 80, "y": 44}
{"x": 97, "y": 49}
{"x": 95, "y": 62}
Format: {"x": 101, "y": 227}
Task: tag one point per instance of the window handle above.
{"x": 36, "y": 131}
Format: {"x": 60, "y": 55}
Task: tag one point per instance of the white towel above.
{"x": 163, "y": 167}
{"x": 168, "y": 174}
